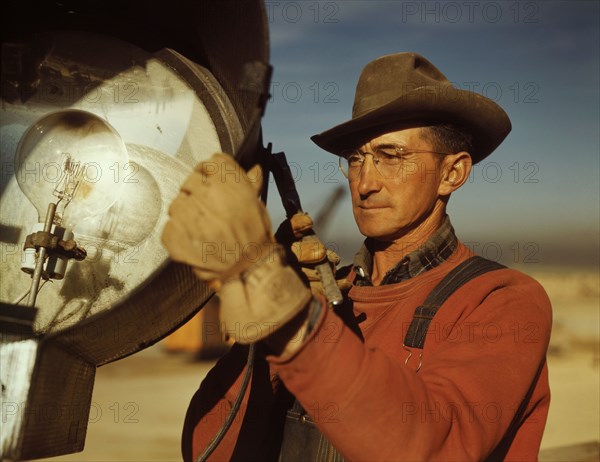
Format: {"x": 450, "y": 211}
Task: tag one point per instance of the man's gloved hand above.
{"x": 220, "y": 227}
{"x": 306, "y": 254}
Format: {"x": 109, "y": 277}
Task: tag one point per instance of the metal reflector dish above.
{"x": 174, "y": 84}
{"x": 166, "y": 129}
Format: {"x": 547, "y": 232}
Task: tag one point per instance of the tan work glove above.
{"x": 306, "y": 254}
{"x": 220, "y": 227}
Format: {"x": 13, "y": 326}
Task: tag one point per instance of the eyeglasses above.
{"x": 387, "y": 159}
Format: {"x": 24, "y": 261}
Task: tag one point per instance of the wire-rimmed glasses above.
{"x": 387, "y": 159}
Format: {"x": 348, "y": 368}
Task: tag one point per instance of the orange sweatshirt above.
{"x": 484, "y": 356}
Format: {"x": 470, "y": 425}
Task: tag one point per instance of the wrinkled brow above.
{"x": 390, "y": 146}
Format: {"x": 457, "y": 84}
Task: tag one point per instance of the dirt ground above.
{"x": 139, "y": 402}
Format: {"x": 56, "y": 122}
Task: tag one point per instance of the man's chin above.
{"x": 381, "y": 233}
{"x": 378, "y": 234}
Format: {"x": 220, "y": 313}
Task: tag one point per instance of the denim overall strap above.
{"x": 302, "y": 440}
{"x": 463, "y": 273}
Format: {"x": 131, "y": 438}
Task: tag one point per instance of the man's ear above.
{"x": 456, "y": 169}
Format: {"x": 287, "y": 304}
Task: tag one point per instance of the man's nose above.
{"x": 369, "y": 178}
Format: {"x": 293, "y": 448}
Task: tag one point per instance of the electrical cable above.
{"x": 251, "y": 351}
{"x": 234, "y": 409}
{"x": 20, "y": 299}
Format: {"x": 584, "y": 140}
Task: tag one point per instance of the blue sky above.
{"x": 536, "y": 199}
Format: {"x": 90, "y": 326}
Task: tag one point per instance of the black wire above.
{"x": 233, "y": 411}
{"x": 265, "y": 152}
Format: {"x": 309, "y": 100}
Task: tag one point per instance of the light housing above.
{"x": 177, "y": 81}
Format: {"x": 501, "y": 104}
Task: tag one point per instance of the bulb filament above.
{"x": 66, "y": 189}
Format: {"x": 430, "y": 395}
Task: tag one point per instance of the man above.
{"x": 367, "y": 385}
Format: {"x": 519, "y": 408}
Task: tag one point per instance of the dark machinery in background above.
{"x": 149, "y": 89}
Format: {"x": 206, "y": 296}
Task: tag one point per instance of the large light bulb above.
{"x": 69, "y": 158}
{"x": 66, "y": 159}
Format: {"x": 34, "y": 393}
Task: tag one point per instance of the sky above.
{"x": 535, "y": 200}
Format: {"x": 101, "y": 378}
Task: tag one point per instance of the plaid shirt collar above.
{"x": 436, "y": 250}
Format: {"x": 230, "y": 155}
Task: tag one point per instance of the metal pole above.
{"x": 41, "y": 256}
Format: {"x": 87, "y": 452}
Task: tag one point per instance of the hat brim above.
{"x": 483, "y": 118}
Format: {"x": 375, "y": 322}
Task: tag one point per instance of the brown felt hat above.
{"x": 396, "y": 89}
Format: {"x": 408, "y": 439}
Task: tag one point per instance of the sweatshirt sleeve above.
{"x": 459, "y": 405}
